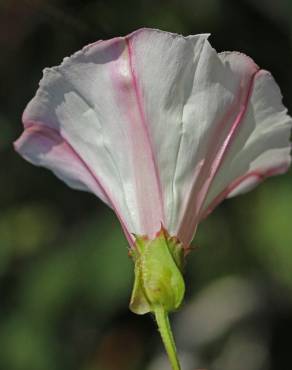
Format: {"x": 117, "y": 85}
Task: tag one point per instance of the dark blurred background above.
{"x": 65, "y": 277}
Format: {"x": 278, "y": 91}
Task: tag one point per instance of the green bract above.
{"x": 158, "y": 274}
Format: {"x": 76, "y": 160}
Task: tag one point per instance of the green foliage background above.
{"x": 65, "y": 277}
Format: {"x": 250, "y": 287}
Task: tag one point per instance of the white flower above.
{"x": 159, "y": 126}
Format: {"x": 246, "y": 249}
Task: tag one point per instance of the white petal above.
{"x": 91, "y": 100}
{"x": 190, "y": 100}
{"x": 165, "y": 65}
{"x": 119, "y": 104}
{"x": 43, "y": 146}
{"x": 165, "y": 126}
{"x": 260, "y": 147}
{"x": 215, "y": 102}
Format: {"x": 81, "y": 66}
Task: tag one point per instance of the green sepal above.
{"x": 158, "y": 274}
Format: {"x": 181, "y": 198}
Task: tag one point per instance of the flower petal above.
{"x": 250, "y": 142}
{"x": 91, "y": 99}
{"x": 191, "y": 100}
{"x": 215, "y": 106}
{"x": 260, "y": 146}
{"x": 163, "y": 127}
{"x": 165, "y": 65}
{"x": 119, "y": 104}
{"x": 44, "y": 146}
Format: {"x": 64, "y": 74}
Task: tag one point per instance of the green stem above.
{"x": 162, "y": 320}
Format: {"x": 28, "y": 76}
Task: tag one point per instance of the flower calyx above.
{"x": 158, "y": 273}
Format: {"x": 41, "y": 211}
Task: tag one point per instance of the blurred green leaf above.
{"x": 24, "y": 346}
{"x": 270, "y": 230}
{"x": 24, "y": 229}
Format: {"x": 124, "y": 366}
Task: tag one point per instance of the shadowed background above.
{"x": 65, "y": 277}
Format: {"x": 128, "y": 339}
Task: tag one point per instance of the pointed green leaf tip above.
{"x": 158, "y": 274}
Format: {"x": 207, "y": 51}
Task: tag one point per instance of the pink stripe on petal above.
{"x": 54, "y": 135}
{"x": 148, "y": 192}
{"x": 211, "y": 166}
{"x": 49, "y": 139}
{"x": 219, "y": 158}
{"x": 250, "y": 180}
{"x": 144, "y": 122}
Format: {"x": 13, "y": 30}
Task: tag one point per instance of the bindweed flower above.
{"x": 162, "y": 129}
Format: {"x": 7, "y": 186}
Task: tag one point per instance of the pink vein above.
{"x": 33, "y": 126}
{"x": 145, "y": 125}
{"x": 219, "y": 159}
{"x": 187, "y": 227}
{"x": 259, "y": 175}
